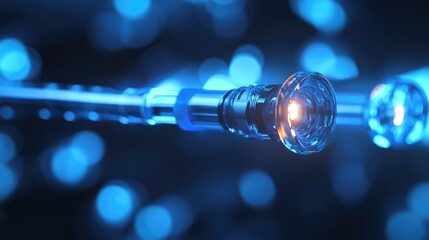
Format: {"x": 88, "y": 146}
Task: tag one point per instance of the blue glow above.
{"x": 112, "y": 32}
{"x": 257, "y": 188}
{"x": 69, "y": 116}
{"x": 381, "y": 141}
{"x": 153, "y": 222}
{"x": 93, "y": 116}
{"x": 133, "y": 9}
{"x": 181, "y": 214}
{"x": 421, "y": 77}
{"x": 44, "y": 114}
{"x": 225, "y": 9}
{"x": 252, "y": 50}
{"x": 210, "y": 67}
{"x": 8, "y": 182}
{"x": 231, "y": 27}
{"x": 397, "y": 113}
{"x": 90, "y": 144}
{"x": 15, "y": 63}
{"x": 418, "y": 199}
{"x": 405, "y": 225}
{"x": 69, "y": 166}
{"x": 115, "y": 204}
{"x": 224, "y": 2}
{"x": 320, "y": 57}
{"x": 349, "y": 180}
{"x": 7, "y": 148}
{"x": 7, "y": 112}
{"x": 245, "y": 69}
{"x": 219, "y": 82}
{"x": 170, "y": 84}
{"x": 325, "y": 15}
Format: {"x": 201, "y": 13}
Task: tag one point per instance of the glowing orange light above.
{"x": 293, "y": 111}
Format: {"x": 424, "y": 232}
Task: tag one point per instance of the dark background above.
{"x": 384, "y": 37}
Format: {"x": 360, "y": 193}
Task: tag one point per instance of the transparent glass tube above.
{"x": 300, "y": 113}
{"x": 395, "y": 112}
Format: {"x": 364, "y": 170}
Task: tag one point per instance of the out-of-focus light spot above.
{"x": 112, "y": 32}
{"x": 15, "y": 64}
{"x": 8, "y": 182}
{"x": 181, "y": 214}
{"x": 381, "y": 141}
{"x": 327, "y": 16}
{"x": 350, "y": 181}
{"x": 153, "y": 222}
{"x": 252, "y": 50}
{"x": 231, "y": 27}
{"x": 345, "y": 68}
{"x": 405, "y": 225}
{"x": 93, "y": 116}
{"x": 115, "y": 204}
{"x": 219, "y": 82}
{"x": 7, "y": 112}
{"x": 69, "y": 116}
{"x": 320, "y": 57}
{"x": 7, "y": 148}
{"x": 245, "y": 69}
{"x": 294, "y": 111}
{"x": 210, "y": 67}
{"x": 44, "y": 114}
{"x": 170, "y": 84}
{"x": 224, "y": 2}
{"x": 398, "y": 114}
{"x": 257, "y": 188}
{"x": 69, "y": 165}
{"x": 228, "y": 9}
{"x": 132, "y": 9}
{"x": 90, "y": 144}
{"x": 418, "y": 199}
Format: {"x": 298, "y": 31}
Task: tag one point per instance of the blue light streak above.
{"x": 8, "y": 182}
{"x": 133, "y": 9}
{"x": 418, "y": 199}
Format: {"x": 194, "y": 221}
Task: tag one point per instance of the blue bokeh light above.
{"x": 132, "y": 9}
{"x": 44, "y": 114}
{"x": 15, "y": 63}
{"x": 69, "y": 165}
{"x": 322, "y": 58}
{"x": 327, "y": 16}
{"x": 210, "y": 67}
{"x": 7, "y": 148}
{"x": 153, "y": 222}
{"x": 180, "y": 212}
{"x": 90, "y": 144}
{"x": 245, "y": 69}
{"x": 252, "y": 50}
{"x": 405, "y": 225}
{"x": 7, "y": 112}
{"x": 219, "y": 82}
{"x": 349, "y": 180}
{"x": 109, "y": 31}
{"x": 69, "y": 116}
{"x": 8, "y": 182}
{"x": 115, "y": 204}
{"x": 418, "y": 199}
{"x": 257, "y": 188}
